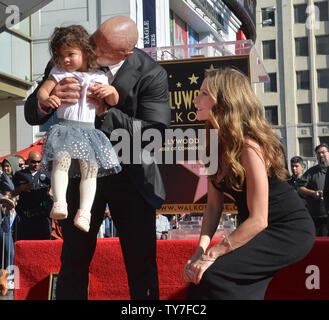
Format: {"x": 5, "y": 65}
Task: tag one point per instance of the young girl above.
{"x": 75, "y": 137}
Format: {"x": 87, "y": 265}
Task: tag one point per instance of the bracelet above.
{"x": 226, "y": 238}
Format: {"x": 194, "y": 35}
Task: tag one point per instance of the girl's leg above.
{"x": 87, "y": 184}
{"x": 87, "y": 194}
{"x": 59, "y": 182}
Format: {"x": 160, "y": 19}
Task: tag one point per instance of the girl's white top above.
{"x": 82, "y": 111}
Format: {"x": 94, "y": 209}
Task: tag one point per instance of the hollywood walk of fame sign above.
{"x": 186, "y": 188}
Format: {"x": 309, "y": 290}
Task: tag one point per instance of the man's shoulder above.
{"x": 49, "y": 67}
{"x": 147, "y": 62}
{"x": 313, "y": 170}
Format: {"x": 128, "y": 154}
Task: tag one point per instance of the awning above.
{"x": 8, "y": 9}
{"x": 245, "y": 10}
{"x": 36, "y": 146}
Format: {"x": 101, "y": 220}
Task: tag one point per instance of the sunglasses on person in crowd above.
{"x": 35, "y": 161}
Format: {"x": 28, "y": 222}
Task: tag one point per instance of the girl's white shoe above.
{"x": 82, "y": 220}
{"x": 59, "y": 210}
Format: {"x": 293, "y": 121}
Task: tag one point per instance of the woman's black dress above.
{"x": 245, "y": 273}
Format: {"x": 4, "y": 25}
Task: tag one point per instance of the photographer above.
{"x": 34, "y": 203}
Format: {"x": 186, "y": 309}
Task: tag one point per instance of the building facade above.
{"x": 15, "y": 71}
{"x": 293, "y": 42}
{"x": 15, "y": 81}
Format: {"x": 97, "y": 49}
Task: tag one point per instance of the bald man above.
{"x": 133, "y": 194}
{"x": 34, "y": 202}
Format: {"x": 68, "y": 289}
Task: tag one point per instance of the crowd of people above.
{"x": 313, "y": 187}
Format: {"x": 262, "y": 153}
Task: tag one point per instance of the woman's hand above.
{"x": 196, "y": 266}
{"x": 194, "y": 271}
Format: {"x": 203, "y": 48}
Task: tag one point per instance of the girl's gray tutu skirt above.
{"x": 79, "y": 141}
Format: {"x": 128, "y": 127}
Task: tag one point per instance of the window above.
{"x": 304, "y": 113}
{"x": 305, "y": 147}
{"x": 301, "y": 46}
{"x": 300, "y": 13}
{"x": 271, "y": 113}
{"x": 16, "y": 50}
{"x": 322, "y": 44}
{"x": 15, "y": 55}
{"x": 323, "y": 11}
{"x": 303, "y": 80}
{"x": 23, "y": 27}
{"x": 269, "y": 49}
{"x": 323, "y": 78}
{"x": 268, "y": 18}
{"x": 324, "y": 140}
{"x": 323, "y": 111}
{"x": 272, "y": 85}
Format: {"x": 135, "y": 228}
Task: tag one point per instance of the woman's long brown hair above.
{"x": 239, "y": 115}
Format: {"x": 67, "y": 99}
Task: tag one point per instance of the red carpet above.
{"x": 37, "y": 259}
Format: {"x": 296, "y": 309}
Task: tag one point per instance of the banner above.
{"x": 149, "y": 24}
{"x": 180, "y": 36}
{"x": 193, "y": 38}
{"x": 186, "y": 188}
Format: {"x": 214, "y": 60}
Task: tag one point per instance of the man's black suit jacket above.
{"x": 143, "y": 95}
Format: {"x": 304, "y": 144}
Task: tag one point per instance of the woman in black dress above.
{"x": 275, "y": 229}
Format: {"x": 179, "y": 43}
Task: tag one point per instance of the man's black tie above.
{"x": 108, "y": 73}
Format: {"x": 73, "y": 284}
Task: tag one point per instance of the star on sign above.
{"x": 193, "y": 79}
{"x": 196, "y": 168}
{"x": 178, "y": 84}
{"x": 211, "y": 68}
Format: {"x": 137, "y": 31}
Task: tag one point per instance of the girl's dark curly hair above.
{"x": 73, "y": 36}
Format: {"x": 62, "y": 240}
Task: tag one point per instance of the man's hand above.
{"x": 318, "y": 195}
{"x": 27, "y": 187}
{"x": 67, "y": 90}
{"x": 100, "y": 105}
